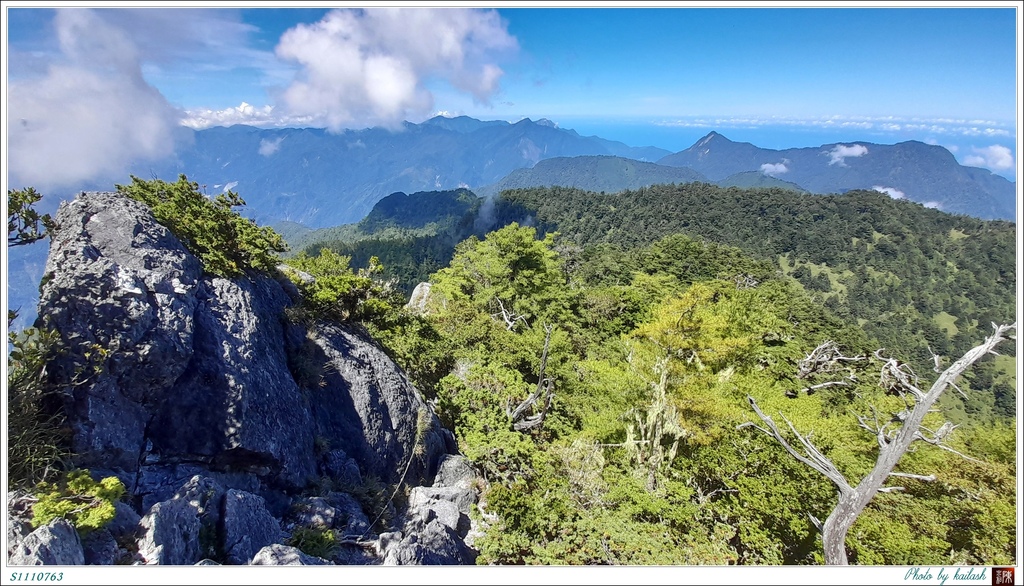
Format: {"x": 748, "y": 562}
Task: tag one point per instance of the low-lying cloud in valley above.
{"x": 775, "y": 169}
{"x": 269, "y": 147}
{"x": 841, "y": 152}
{"x": 371, "y": 67}
{"x": 890, "y": 191}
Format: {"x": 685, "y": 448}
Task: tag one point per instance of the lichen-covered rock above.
{"x": 248, "y": 526}
{"x": 341, "y": 469}
{"x": 455, "y": 471}
{"x": 54, "y": 544}
{"x": 285, "y": 555}
{"x": 237, "y": 405}
{"x": 215, "y": 406}
{"x": 350, "y": 520}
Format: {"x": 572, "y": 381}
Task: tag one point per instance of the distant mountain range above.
{"x": 322, "y": 179}
{"x": 927, "y": 174}
{"x": 613, "y": 174}
{"x": 592, "y": 173}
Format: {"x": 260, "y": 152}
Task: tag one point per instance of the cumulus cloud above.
{"x": 371, "y": 67}
{"x": 244, "y": 113}
{"x": 995, "y": 157}
{"x": 933, "y": 205}
{"x": 90, "y": 113}
{"x": 890, "y": 191}
{"x": 269, "y": 147}
{"x": 775, "y": 169}
{"x": 840, "y": 152}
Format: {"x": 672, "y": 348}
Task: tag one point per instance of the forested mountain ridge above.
{"x": 892, "y": 265}
{"x": 911, "y": 277}
{"x": 927, "y": 174}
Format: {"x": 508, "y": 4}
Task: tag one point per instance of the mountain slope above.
{"x": 920, "y": 172}
{"x": 593, "y": 173}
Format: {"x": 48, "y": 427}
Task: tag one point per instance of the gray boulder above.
{"x": 54, "y": 544}
{"x": 170, "y": 534}
{"x": 183, "y": 530}
{"x": 417, "y": 304}
{"x": 100, "y": 548}
{"x": 285, "y": 555}
{"x": 248, "y": 526}
{"x": 19, "y": 518}
{"x": 118, "y": 281}
{"x": 435, "y": 544}
{"x": 368, "y": 407}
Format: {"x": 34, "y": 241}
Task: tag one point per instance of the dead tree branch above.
{"x": 545, "y": 387}
{"x": 897, "y": 378}
{"x": 510, "y": 318}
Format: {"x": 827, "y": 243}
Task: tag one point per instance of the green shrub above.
{"x": 85, "y": 503}
{"x": 340, "y": 293}
{"x": 220, "y": 237}
{"x": 317, "y": 542}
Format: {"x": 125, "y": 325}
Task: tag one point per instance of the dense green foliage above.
{"x": 85, "y": 503}
{"x": 227, "y": 243}
{"x": 599, "y": 390}
{"x": 336, "y": 291}
{"x": 911, "y": 277}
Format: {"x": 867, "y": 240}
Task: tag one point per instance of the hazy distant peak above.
{"x": 461, "y": 124}
{"x": 709, "y": 138}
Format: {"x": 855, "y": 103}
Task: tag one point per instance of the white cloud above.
{"x": 840, "y": 152}
{"x": 244, "y": 113}
{"x": 890, "y": 191}
{"x": 229, "y": 186}
{"x": 371, "y": 67}
{"x": 775, "y": 169}
{"x": 933, "y": 205}
{"x": 269, "y": 147}
{"x": 995, "y": 157}
{"x": 90, "y": 113}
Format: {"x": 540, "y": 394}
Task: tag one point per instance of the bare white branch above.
{"x": 929, "y": 478}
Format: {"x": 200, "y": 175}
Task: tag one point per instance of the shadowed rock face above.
{"x": 169, "y": 372}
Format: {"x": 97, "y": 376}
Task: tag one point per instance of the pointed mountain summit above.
{"x": 927, "y": 174}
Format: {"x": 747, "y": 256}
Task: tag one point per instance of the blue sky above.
{"x": 777, "y": 77}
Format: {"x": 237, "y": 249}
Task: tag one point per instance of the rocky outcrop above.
{"x": 54, "y": 544}
{"x": 285, "y": 555}
{"x": 418, "y": 299}
{"x": 437, "y": 520}
{"x": 214, "y": 404}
